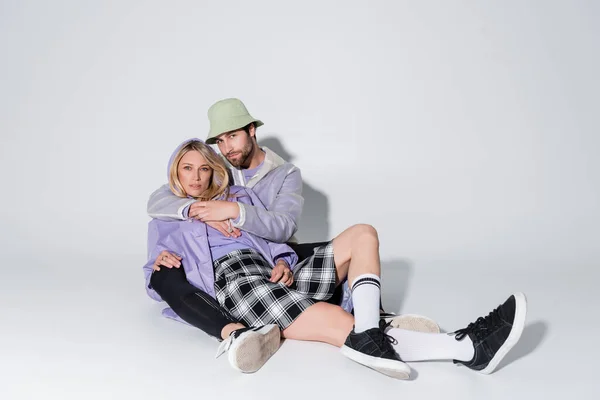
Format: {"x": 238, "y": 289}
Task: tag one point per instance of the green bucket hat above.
{"x": 228, "y": 115}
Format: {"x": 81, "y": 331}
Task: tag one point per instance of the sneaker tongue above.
{"x": 238, "y": 332}
{"x": 384, "y": 326}
{"x": 224, "y": 346}
{"x": 507, "y": 310}
{"x": 383, "y": 340}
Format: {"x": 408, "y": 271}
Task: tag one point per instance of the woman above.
{"x": 260, "y": 282}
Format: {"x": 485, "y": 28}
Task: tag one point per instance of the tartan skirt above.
{"x": 242, "y": 286}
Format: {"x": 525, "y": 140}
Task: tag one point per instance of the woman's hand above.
{"x": 166, "y": 259}
{"x": 215, "y": 210}
{"x": 282, "y": 273}
{"x": 225, "y": 228}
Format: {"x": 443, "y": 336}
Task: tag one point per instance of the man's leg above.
{"x": 321, "y": 322}
{"x": 328, "y": 323}
{"x": 480, "y": 346}
{"x": 411, "y": 322}
{"x": 355, "y": 254}
{"x": 306, "y": 250}
{"x": 249, "y": 348}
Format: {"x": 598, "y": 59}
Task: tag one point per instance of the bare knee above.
{"x": 365, "y": 232}
{"x": 321, "y": 322}
{"x": 356, "y": 238}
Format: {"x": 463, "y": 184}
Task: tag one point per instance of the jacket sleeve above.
{"x": 280, "y": 221}
{"x": 282, "y": 251}
{"x": 153, "y": 251}
{"x": 164, "y": 205}
{"x": 277, "y": 250}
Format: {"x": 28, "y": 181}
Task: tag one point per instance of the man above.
{"x": 278, "y": 185}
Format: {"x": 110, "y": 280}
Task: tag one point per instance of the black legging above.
{"x": 198, "y": 308}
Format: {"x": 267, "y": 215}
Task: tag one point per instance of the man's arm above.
{"x": 280, "y": 221}
{"x": 279, "y": 251}
{"x": 164, "y": 205}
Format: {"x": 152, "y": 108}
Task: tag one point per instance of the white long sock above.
{"x": 420, "y": 346}
{"x": 366, "y": 292}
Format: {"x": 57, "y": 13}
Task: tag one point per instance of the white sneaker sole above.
{"x": 393, "y": 368}
{"x": 414, "y": 322}
{"x": 253, "y": 348}
{"x": 513, "y": 337}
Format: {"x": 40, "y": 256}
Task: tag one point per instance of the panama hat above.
{"x": 228, "y": 115}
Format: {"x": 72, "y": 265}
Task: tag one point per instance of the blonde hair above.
{"x": 219, "y": 183}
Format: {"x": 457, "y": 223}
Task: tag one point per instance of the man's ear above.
{"x": 252, "y": 130}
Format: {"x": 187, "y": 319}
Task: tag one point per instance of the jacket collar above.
{"x": 272, "y": 161}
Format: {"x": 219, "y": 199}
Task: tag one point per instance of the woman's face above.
{"x": 194, "y": 173}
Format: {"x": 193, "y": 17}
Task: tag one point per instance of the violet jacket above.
{"x": 278, "y": 185}
{"x": 189, "y": 239}
{"x": 273, "y": 214}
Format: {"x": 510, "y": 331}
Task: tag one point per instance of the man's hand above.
{"x": 215, "y": 210}
{"x": 225, "y": 228}
{"x": 282, "y": 273}
{"x": 167, "y": 259}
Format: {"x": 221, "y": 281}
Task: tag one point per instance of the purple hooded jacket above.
{"x": 189, "y": 239}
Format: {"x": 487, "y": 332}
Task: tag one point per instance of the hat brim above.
{"x": 232, "y": 125}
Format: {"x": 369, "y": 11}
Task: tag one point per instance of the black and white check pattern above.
{"x": 242, "y": 286}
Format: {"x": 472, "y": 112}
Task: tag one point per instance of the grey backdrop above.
{"x": 466, "y": 132}
{"x": 459, "y": 129}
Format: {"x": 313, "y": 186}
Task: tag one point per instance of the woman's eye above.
{"x": 187, "y": 168}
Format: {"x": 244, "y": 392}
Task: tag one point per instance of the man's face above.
{"x": 237, "y": 146}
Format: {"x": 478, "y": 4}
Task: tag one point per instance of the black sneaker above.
{"x": 493, "y": 336}
{"x": 373, "y": 348}
{"x": 250, "y": 348}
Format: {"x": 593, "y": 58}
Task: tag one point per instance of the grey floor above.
{"x": 82, "y": 328}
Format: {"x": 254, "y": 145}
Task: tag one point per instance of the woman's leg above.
{"x": 193, "y": 305}
{"x": 248, "y": 348}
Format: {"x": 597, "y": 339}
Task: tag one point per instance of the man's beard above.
{"x": 241, "y": 162}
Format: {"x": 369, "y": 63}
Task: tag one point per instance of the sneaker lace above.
{"x": 482, "y": 327}
{"x": 384, "y": 340}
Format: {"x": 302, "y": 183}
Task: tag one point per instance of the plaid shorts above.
{"x": 242, "y": 286}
